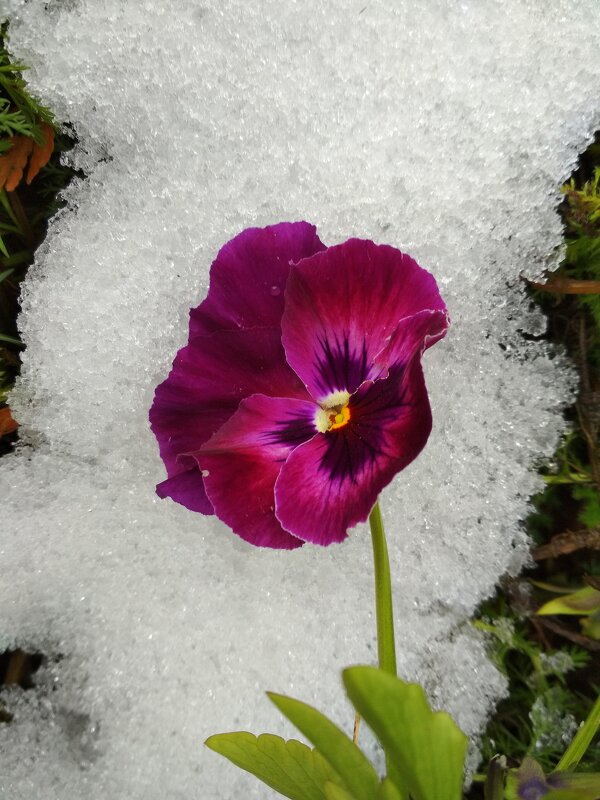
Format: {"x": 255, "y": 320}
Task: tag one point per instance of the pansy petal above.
{"x": 241, "y": 462}
{"x": 332, "y": 482}
{"x": 208, "y": 379}
{"x": 187, "y": 489}
{"x": 412, "y": 336}
{"x": 341, "y": 307}
{"x": 248, "y": 277}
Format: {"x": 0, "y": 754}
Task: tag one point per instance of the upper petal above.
{"x": 209, "y": 378}
{"x": 241, "y": 462}
{"x": 332, "y": 482}
{"x": 248, "y": 277}
{"x": 411, "y": 337}
{"x": 341, "y": 307}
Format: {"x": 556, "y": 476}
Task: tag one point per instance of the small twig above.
{"x": 567, "y": 286}
{"x": 568, "y": 542}
{"x": 540, "y": 632}
{"x": 16, "y": 668}
{"x": 591, "y": 580}
{"x": 578, "y": 638}
{"x": 356, "y": 727}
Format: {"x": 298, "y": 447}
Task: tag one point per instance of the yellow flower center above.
{"x": 334, "y": 412}
{"x": 338, "y": 419}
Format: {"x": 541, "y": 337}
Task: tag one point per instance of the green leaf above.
{"x": 388, "y": 791}
{"x": 550, "y": 587}
{"x": 7, "y": 272}
{"x": 582, "y": 740}
{"x": 585, "y": 601}
{"x": 340, "y": 751}
{"x": 589, "y": 514}
{"x": 21, "y": 257}
{"x": 335, "y": 792}
{"x": 587, "y": 782}
{"x": 427, "y": 747}
{"x": 385, "y": 791}
{"x": 291, "y": 768}
{"x": 590, "y": 626}
{"x": 494, "y": 783}
{"x": 10, "y": 340}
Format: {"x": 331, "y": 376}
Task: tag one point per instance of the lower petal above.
{"x": 241, "y": 462}
{"x": 187, "y": 488}
{"x": 209, "y": 378}
{"x": 332, "y": 482}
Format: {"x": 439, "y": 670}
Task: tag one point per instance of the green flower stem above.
{"x": 493, "y": 788}
{"x": 576, "y": 750}
{"x": 386, "y": 646}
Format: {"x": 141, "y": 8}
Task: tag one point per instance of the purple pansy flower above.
{"x": 300, "y": 393}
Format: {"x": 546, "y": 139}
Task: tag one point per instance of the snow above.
{"x": 444, "y": 129}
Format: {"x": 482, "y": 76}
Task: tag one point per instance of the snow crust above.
{"x": 444, "y": 128}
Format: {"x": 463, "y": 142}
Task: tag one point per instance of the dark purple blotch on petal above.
{"x": 332, "y": 481}
{"x": 209, "y": 378}
{"x": 292, "y": 429}
{"x": 287, "y": 322}
{"x": 241, "y": 463}
{"x": 352, "y": 449}
{"x": 343, "y": 304}
{"x": 341, "y": 365}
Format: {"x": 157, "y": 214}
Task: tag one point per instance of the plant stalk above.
{"x": 582, "y": 740}
{"x": 568, "y": 286}
{"x": 384, "y": 611}
{"x": 386, "y": 645}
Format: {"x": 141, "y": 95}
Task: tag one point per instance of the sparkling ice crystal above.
{"x": 442, "y": 128}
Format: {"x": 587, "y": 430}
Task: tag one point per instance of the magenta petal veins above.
{"x": 332, "y": 482}
{"x": 300, "y": 393}
{"x": 341, "y": 307}
{"x": 242, "y": 461}
{"x": 209, "y": 378}
{"x": 248, "y": 277}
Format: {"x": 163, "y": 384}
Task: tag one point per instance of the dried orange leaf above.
{"x": 13, "y": 162}
{"x": 41, "y": 153}
{"x": 7, "y": 423}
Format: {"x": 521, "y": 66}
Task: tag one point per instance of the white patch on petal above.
{"x": 322, "y": 423}
{"x": 335, "y": 399}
